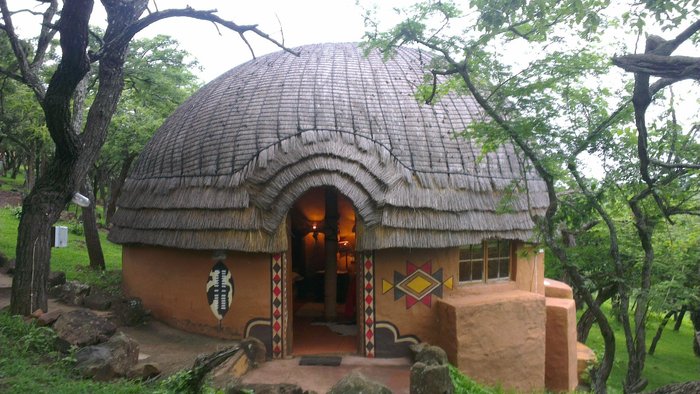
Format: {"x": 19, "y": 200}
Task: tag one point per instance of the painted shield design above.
{"x": 220, "y": 290}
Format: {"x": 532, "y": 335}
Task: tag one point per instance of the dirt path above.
{"x": 12, "y": 199}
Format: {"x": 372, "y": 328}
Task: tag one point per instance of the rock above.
{"x": 678, "y": 388}
{"x": 57, "y": 278}
{"x": 430, "y": 378}
{"x": 71, "y": 292}
{"x": 98, "y": 300}
{"x": 37, "y": 313}
{"x": 82, "y": 328}
{"x": 129, "y": 311}
{"x": 429, "y": 354}
{"x": 144, "y": 371}
{"x": 355, "y": 382}
{"x": 255, "y": 350}
{"x": 48, "y": 318}
{"x": 112, "y": 359}
{"x": 265, "y": 388}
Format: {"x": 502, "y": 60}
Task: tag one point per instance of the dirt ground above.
{"x": 10, "y": 198}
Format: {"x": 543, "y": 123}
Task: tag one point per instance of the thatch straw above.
{"x": 231, "y": 161}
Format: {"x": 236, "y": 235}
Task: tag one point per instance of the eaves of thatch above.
{"x": 224, "y": 169}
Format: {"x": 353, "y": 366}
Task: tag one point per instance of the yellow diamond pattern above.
{"x": 418, "y": 284}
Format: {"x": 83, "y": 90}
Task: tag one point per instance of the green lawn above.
{"x": 72, "y": 260}
{"x": 672, "y": 362}
{"x": 8, "y": 184}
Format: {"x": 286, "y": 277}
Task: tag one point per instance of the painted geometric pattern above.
{"x": 277, "y": 305}
{"x": 368, "y": 304}
{"x": 418, "y": 284}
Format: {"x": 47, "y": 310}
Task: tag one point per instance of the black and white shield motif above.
{"x": 220, "y": 290}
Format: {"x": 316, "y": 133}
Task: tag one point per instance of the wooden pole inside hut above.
{"x": 331, "y": 247}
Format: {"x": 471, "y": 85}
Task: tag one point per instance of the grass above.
{"x": 29, "y": 364}
{"x": 9, "y": 184}
{"x": 672, "y": 362}
{"x": 73, "y": 260}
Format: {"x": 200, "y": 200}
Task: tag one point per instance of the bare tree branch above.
{"x": 12, "y": 75}
{"x": 188, "y": 12}
{"x": 678, "y": 67}
{"x": 674, "y": 165}
{"x": 48, "y": 31}
{"x": 31, "y": 79}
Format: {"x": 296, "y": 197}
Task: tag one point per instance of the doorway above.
{"x": 324, "y": 296}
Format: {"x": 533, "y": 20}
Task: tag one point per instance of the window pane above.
{"x": 504, "y": 247}
{"x": 493, "y": 269}
{"x": 465, "y": 271}
{"x": 504, "y": 269}
{"x": 478, "y": 270}
{"x": 477, "y": 252}
{"x": 493, "y": 249}
{"x": 465, "y": 253}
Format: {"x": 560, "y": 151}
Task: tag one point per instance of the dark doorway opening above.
{"x": 323, "y": 263}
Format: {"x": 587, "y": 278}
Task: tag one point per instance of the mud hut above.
{"x": 313, "y": 202}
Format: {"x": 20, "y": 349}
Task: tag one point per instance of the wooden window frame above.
{"x": 485, "y": 263}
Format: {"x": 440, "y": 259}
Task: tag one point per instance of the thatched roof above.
{"x": 224, "y": 169}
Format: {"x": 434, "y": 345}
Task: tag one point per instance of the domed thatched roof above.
{"x": 224, "y": 169}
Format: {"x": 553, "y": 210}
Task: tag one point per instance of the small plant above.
{"x": 76, "y": 227}
{"x": 464, "y": 385}
{"x": 16, "y": 212}
{"x": 27, "y": 337}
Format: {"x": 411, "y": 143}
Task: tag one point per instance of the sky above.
{"x": 302, "y": 22}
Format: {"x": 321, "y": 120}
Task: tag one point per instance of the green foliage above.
{"x": 673, "y": 361}
{"x": 29, "y": 364}
{"x": 73, "y": 260}
{"x": 464, "y": 385}
{"x": 158, "y": 78}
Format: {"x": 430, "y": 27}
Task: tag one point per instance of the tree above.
{"x": 75, "y": 150}
{"x": 554, "y": 107}
{"x": 158, "y": 78}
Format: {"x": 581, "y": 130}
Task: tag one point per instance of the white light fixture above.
{"x": 80, "y": 200}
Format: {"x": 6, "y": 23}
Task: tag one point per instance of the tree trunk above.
{"x": 679, "y": 318}
{"x": 116, "y": 188}
{"x": 40, "y": 209}
{"x": 75, "y": 152}
{"x": 30, "y": 176}
{"x": 331, "y": 248}
{"x": 695, "y": 318}
{"x": 92, "y": 235}
{"x": 585, "y": 323}
{"x": 660, "y": 331}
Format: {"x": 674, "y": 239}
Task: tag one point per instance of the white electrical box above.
{"x": 60, "y": 237}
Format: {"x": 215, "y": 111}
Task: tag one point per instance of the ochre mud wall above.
{"x": 496, "y": 337}
{"x": 172, "y": 284}
{"x": 411, "y": 312}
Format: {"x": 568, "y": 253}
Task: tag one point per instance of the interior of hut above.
{"x": 323, "y": 263}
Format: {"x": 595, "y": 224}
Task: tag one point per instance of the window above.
{"x": 483, "y": 262}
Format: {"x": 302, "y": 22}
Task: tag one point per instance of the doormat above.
{"x": 328, "y": 361}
